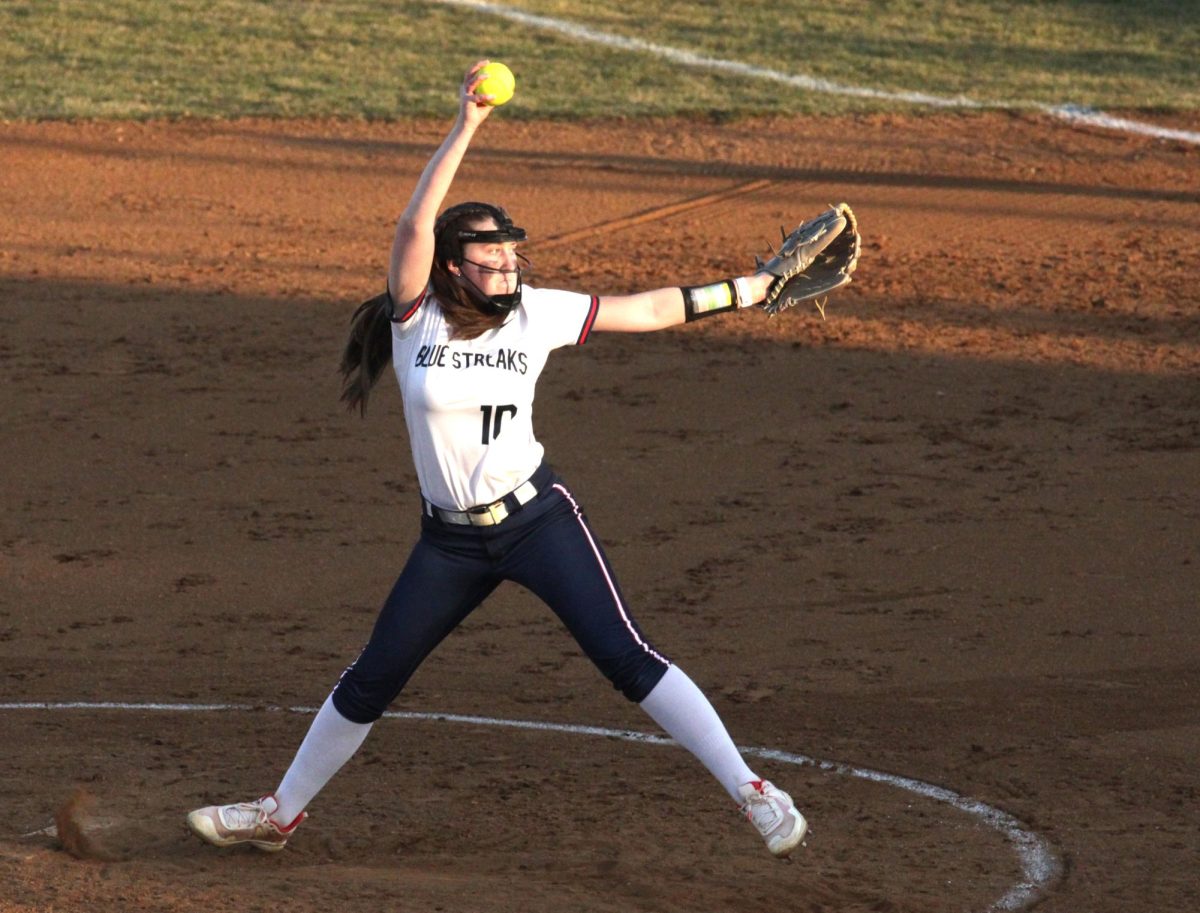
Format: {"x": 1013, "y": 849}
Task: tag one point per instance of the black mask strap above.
{"x": 502, "y": 235}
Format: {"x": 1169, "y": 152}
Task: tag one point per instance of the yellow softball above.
{"x": 497, "y": 81}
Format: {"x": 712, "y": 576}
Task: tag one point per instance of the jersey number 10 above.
{"x": 491, "y": 426}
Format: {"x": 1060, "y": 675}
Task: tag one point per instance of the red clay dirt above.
{"x": 948, "y": 534}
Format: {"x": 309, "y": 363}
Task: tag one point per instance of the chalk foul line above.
{"x": 1040, "y": 866}
{"x": 1074, "y": 114}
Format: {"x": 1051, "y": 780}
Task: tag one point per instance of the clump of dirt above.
{"x": 77, "y": 828}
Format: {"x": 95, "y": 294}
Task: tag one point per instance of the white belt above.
{"x": 486, "y": 514}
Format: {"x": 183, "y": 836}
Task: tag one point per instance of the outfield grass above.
{"x": 285, "y": 58}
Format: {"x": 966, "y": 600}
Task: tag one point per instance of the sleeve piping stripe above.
{"x": 412, "y": 308}
{"x": 589, "y": 321}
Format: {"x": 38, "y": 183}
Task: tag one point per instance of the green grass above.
{"x": 228, "y": 58}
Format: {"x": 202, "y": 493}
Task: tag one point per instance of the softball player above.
{"x": 467, "y": 341}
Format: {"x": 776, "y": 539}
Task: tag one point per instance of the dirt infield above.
{"x": 949, "y": 534}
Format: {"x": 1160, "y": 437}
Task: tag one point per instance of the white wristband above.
{"x": 745, "y": 297}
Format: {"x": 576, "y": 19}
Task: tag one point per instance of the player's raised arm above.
{"x": 412, "y": 249}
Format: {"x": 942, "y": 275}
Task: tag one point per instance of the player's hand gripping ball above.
{"x": 497, "y": 81}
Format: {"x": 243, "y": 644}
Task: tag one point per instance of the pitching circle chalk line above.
{"x": 1040, "y": 866}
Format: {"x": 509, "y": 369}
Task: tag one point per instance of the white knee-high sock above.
{"x": 331, "y": 741}
{"x": 681, "y": 708}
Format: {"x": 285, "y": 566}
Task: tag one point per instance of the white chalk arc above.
{"x": 1040, "y": 866}
{"x": 1071, "y": 113}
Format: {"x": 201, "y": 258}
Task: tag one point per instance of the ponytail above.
{"x": 368, "y": 350}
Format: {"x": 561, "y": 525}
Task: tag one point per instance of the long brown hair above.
{"x": 462, "y": 309}
{"x": 368, "y": 349}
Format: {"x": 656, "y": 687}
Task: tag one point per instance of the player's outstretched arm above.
{"x": 667, "y": 307}
{"x": 818, "y": 257}
{"x": 412, "y": 249}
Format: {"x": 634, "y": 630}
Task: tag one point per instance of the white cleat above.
{"x": 774, "y": 815}
{"x": 245, "y": 822}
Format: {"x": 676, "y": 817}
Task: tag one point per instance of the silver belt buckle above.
{"x": 490, "y": 515}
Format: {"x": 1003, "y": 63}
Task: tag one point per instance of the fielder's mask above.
{"x": 450, "y": 236}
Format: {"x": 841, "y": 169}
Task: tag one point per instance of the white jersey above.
{"x": 468, "y": 403}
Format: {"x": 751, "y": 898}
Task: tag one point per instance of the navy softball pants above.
{"x": 547, "y": 547}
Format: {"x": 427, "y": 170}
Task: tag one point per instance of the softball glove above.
{"x": 816, "y": 258}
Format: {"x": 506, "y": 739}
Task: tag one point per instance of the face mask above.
{"x": 506, "y": 233}
{"x": 498, "y": 304}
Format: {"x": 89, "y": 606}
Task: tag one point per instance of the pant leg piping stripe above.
{"x": 612, "y": 588}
